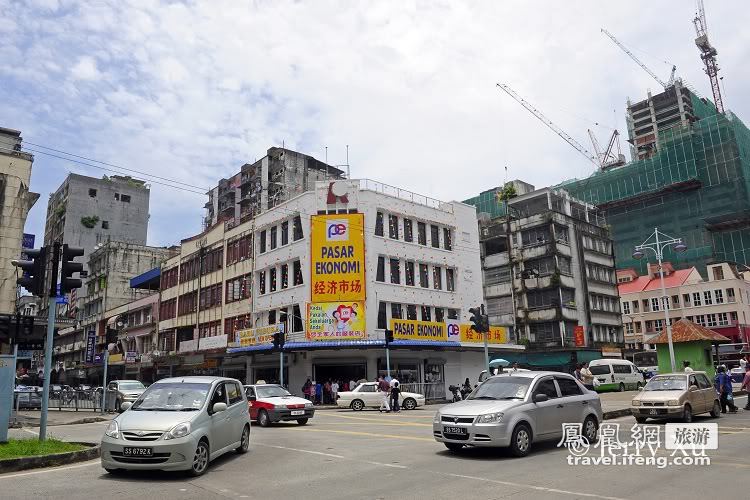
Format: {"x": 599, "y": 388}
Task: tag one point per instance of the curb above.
{"x": 24, "y": 463}
{"x": 87, "y": 420}
{"x": 622, "y": 412}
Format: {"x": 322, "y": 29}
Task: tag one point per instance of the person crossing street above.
{"x": 746, "y": 385}
{"x": 384, "y": 388}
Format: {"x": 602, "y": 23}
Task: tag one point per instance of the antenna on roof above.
{"x": 348, "y": 174}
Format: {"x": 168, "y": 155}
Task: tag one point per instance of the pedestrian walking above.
{"x": 746, "y": 385}
{"x": 384, "y": 388}
{"x": 306, "y": 390}
{"x": 395, "y": 391}
{"x": 723, "y": 385}
{"x": 318, "y": 393}
{"x": 327, "y": 392}
{"x": 577, "y": 373}
{"x": 334, "y": 391}
{"x": 587, "y": 376}
{"x": 687, "y": 368}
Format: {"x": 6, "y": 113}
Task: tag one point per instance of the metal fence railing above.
{"x": 82, "y": 400}
{"x": 433, "y": 391}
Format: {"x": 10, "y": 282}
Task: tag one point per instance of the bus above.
{"x": 646, "y": 362}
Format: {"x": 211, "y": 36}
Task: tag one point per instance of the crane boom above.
{"x": 708, "y": 55}
{"x": 637, "y": 61}
{"x": 540, "y": 116}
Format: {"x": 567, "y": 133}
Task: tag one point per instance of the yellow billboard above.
{"x": 336, "y": 321}
{"x": 337, "y": 258}
{"x": 254, "y": 336}
{"x": 497, "y": 335}
{"x": 406, "y": 329}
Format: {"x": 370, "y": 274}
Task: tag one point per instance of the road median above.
{"x": 88, "y": 451}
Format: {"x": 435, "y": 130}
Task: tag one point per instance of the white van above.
{"x": 615, "y": 374}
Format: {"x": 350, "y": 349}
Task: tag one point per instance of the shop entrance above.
{"x": 270, "y": 375}
{"x": 341, "y": 372}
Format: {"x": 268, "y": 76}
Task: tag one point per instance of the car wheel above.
{"x": 454, "y": 447}
{"x": 358, "y": 405}
{"x": 687, "y": 414}
{"x": 244, "y": 440}
{"x": 590, "y": 429}
{"x": 263, "y": 419}
{"x": 302, "y": 421}
{"x": 716, "y": 410}
{"x": 622, "y": 387}
{"x": 409, "y": 404}
{"x": 520, "y": 440}
{"x": 640, "y": 420}
{"x": 200, "y": 459}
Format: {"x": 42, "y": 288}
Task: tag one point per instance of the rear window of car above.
{"x": 600, "y": 369}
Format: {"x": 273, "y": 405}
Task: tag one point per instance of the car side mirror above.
{"x": 693, "y": 387}
{"x": 125, "y": 406}
{"x": 540, "y": 398}
{"x": 219, "y": 407}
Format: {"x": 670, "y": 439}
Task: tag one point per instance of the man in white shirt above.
{"x": 686, "y": 364}
{"x": 334, "y": 391}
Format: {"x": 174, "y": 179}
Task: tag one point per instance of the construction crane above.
{"x": 540, "y": 116}
{"x": 664, "y": 84}
{"x": 708, "y": 55}
{"x": 608, "y": 157}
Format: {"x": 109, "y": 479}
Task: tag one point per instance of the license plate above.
{"x": 653, "y": 412}
{"x": 297, "y": 412}
{"x": 454, "y": 430}
{"x": 130, "y": 451}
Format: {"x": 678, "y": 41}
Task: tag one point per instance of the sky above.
{"x": 189, "y": 91}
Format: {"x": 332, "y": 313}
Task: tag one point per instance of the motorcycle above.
{"x": 456, "y": 391}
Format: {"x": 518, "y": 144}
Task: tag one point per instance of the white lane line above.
{"x": 530, "y": 486}
{"x": 311, "y": 452}
{"x": 395, "y": 466}
{"x": 47, "y": 471}
{"x": 33, "y": 433}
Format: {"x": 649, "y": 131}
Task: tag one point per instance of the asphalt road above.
{"x": 368, "y": 455}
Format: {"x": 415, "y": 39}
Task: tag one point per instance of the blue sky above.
{"x": 192, "y": 90}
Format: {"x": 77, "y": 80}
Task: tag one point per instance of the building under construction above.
{"x": 690, "y": 177}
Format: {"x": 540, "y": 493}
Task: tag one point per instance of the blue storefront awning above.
{"x": 333, "y": 344}
{"x": 424, "y": 343}
{"x": 251, "y": 348}
{"x": 147, "y": 280}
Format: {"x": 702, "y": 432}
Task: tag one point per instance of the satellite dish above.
{"x": 339, "y": 188}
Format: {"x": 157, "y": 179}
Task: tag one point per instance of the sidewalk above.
{"x": 31, "y": 418}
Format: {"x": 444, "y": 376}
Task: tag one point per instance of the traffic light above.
{"x": 68, "y": 268}
{"x": 476, "y": 319}
{"x": 33, "y": 271}
{"x": 7, "y": 329}
{"x": 388, "y": 337}
{"x": 278, "y": 340}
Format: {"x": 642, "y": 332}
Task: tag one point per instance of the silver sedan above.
{"x": 517, "y": 410}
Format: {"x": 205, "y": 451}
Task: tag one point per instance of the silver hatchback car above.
{"x": 518, "y": 409}
{"x": 178, "y": 424}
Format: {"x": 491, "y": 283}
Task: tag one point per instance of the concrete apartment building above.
{"x": 232, "y": 285}
{"x": 87, "y": 211}
{"x": 721, "y": 302}
{"x": 15, "y": 202}
{"x": 549, "y": 270}
{"x": 279, "y": 176}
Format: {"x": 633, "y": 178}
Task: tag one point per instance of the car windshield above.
{"x": 174, "y": 396}
{"x": 131, "y": 386}
{"x": 502, "y": 388}
{"x": 675, "y": 383}
{"x": 270, "y": 391}
{"x": 599, "y": 370}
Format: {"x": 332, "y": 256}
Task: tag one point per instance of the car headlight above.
{"x": 436, "y": 418}
{"x": 489, "y": 418}
{"x": 113, "y": 430}
{"x": 674, "y": 402}
{"x": 636, "y": 402}
{"x": 309, "y": 405}
{"x": 178, "y": 431}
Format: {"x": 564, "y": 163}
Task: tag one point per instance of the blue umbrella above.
{"x": 499, "y": 362}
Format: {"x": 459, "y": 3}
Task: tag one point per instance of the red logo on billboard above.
{"x": 334, "y": 198}
{"x": 579, "y": 336}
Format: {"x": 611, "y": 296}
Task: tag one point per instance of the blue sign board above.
{"x": 90, "y": 346}
{"x": 28, "y": 241}
{"x": 61, "y": 299}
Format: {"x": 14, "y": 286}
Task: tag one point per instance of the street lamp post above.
{"x": 657, "y": 243}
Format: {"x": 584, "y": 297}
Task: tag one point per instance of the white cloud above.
{"x": 85, "y": 69}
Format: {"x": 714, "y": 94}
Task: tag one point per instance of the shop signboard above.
{"x": 90, "y": 346}
{"x": 579, "y": 336}
{"x": 337, "y": 258}
{"x": 188, "y": 345}
{"x": 496, "y": 335}
{"x": 115, "y": 358}
{"x": 336, "y": 321}
{"x": 260, "y": 335}
{"x": 131, "y": 357}
{"x": 215, "y": 342}
{"x": 405, "y": 329}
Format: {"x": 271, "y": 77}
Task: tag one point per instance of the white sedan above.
{"x": 367, "y": 395}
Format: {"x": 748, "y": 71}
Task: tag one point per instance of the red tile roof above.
{"x": 644, "y": 283}
{"x": 687, "y": 331}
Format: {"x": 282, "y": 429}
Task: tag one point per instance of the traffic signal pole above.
{"x": 51, "y": 309}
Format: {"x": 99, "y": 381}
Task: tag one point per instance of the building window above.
{"x": 700, "y": 319}
{"x": 297, "y": 228}
{"x": 718, "y": 273}
{"x": 125, "y": 198}
{"x": 696, "y": 299}
{"x": 426, "y": 316}
{"x": 719, "y": 296}
{"x": 409, "y": 266}
{"x": 285, "y": 233}
{"x": 411, "y": 312}
{"x": 707, "y": 299}
{"x": 423, "y": 276}
{"x": 263, "y": 241}
{"x": 730, "y": 295}
{"x": 452, "y": 314}
{"x": 395, "y": 272}
{"x": 655, "y": 304}
{"x": 723, "y": 319}
{"x": 297, "y": 319}
{"x": 676, "y": 301}
{"x": 439, "y": 315}
{"x": 382, "y": 317}
{"x": 393, "y": 227}
{"x": 564, "y": 265}
{"x": 261, "y": 282}
{"x": 237, "y": 289}
{"x": 447, "y": 241}
{"x": 437, "y": 278}
{"x": 380, "y": 273}
{"x": 273, "y": 236}
{"x": 629, "y": 328}
{"x": 379, "y": 224}
{"x": 711, "y": 320}
{"x": 105, "y": 224}
{"x": 686, "y": 300}
{"x": 395, "y": 311}
{"x": 626, "y": 307}
{"x": 635, "y": 306}
{"x": 421, "y": 233}
{"x": 637, "y": 327}
{"x": 284, "y": 276}
{"x": 271, "y": 317}
{"x": 450, "y": 280}
{"x": 272, "y": 279}
{"x": 658, "y": 324}
{"x": 297, "y": 270}
{"x": 92, "y": 193}
{"x": 408, "y": 231}
{"x": 535, "y": 236}
{"x": 435, "y": 236}
{"x": 733, "y": 316}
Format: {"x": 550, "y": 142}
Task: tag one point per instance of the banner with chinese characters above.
{"x": 337, "y": 258}
{"x": 406, "y": 329}
{"x": 496, "y": 335}
{"x": 336, "y": 321}
{"x": 255, "y": 336}
{"x": 579, "y": 335}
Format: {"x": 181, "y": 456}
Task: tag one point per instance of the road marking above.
{"x": 56, "y": 469}
{"x": 380, "y": 420}
{"x": 311, "y": 452}
{"x": 372, "y": 434}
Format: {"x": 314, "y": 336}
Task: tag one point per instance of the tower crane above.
{"x": 540, "y": 116}
{"x": 708, "y": 55}
{"x": 664, "y": 84}
{"x": 608, "y": 157}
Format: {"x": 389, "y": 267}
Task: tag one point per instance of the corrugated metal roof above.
{"x": 144, "y": 278}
